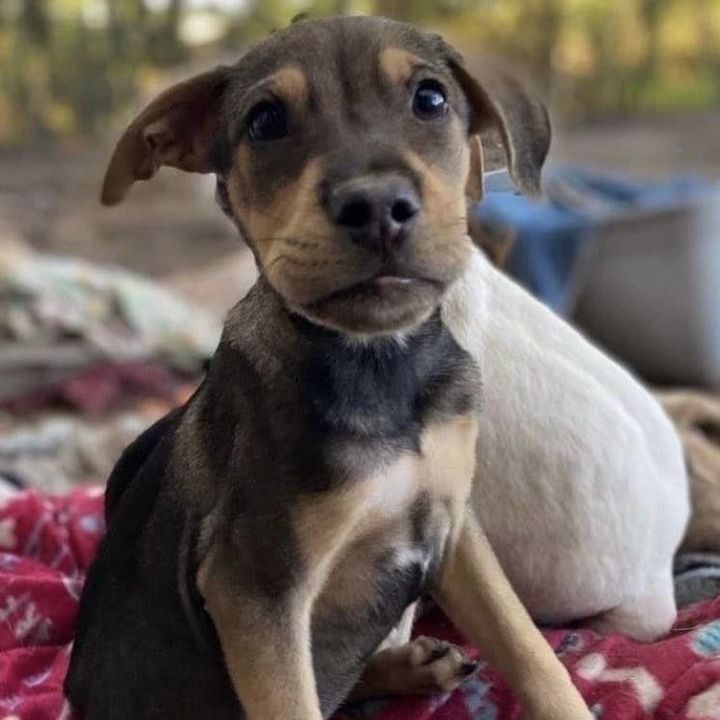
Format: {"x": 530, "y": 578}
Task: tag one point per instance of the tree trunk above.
{"x": 171, "y": 50}
{"x": 35, "y": 21}
{"x": 651, "y": 14}
{"x": 708, "y": 40}
{"x": 548, "y": 22}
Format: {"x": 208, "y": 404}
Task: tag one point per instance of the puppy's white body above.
{"x": 580, "y": 481}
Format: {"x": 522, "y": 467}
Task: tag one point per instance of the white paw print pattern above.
{"x": 648, "y": 691}
{"x": 706, "y": 705}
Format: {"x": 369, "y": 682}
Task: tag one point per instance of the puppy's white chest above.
{"x": 441, "y": 469}
{"x": 392, "y": 488}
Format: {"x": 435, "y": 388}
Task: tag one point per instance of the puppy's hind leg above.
{"x": 645, "y": 617}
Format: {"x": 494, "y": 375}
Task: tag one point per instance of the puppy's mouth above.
{"x": 382, "y": 287}
{"x": 381, "y": 304}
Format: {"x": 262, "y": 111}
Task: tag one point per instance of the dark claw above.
{"x": 440, "y": 651}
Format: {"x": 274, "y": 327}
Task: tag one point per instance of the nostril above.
{"x": 355, "y": 214}
{"x": 403, "y": 210}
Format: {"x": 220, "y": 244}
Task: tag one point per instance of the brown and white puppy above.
{"x": 264, "y": 539}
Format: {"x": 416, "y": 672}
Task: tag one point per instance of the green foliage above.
{"x": 67, "y": 66}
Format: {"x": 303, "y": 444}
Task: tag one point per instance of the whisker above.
{"x": 314, "y": 262}
{"x": 452, "y": 201}
{"x": 331, "y": 246}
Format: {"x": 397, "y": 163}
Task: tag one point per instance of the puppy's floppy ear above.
{"x": 498, "y": 100}
{"x": 177, "y": 129}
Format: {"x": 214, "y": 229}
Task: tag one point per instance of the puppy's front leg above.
{"x": 474, "y": 592}
{"x": 265, "y": 642}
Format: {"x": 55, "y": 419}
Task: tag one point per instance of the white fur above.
{"x": 580, "y": 483}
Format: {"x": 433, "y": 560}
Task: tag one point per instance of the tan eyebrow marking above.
{"x": 399, "y": 64}
{"x": 292, "y": 84}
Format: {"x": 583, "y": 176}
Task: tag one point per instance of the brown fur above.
{"x": 697, "y": 417}
{"x": 292, "y": 235}
{"x": 291, "y": 83}
{"x": 420, "y": 667}
{"x": 257, "y": 670}
{"x": 175, "y": 130}
{"x": 399, "y": 64}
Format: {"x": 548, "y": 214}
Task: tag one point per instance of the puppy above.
{"x": 580, "y": 481}
{"x": 264, "y": 539}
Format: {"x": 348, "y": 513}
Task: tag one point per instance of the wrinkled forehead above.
{"x": 340, "y": 56}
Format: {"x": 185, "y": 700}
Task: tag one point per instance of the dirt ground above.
{"x": 650, "y": 147}
{"x": 170, "y": 229}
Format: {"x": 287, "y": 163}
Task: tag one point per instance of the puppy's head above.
{"x": 346, "y": 150}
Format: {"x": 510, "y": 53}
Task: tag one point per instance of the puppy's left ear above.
{"x": 498, "y": 100}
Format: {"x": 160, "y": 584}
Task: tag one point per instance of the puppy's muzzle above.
{"x": 376, "y": 211}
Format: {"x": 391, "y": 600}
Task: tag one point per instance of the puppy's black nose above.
{"x": 374, "y": 209}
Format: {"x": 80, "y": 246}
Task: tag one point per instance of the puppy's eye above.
{"x": 430, "y": 102}
{"x": 267, "y": 121}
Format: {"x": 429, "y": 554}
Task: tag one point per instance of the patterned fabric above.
{"x": 46, "y": 543}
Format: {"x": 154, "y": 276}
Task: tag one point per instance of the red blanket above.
{"x": 46, "y": 544}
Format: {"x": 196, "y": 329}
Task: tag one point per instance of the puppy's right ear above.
{"x": 177, "y": 129}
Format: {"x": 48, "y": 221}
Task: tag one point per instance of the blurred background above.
{"x": 627, "y": 243}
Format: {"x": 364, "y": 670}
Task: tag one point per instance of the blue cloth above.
{"x": 549, "y": 241}
{"x": 622, "y": 193}
{"x": 551, "y": 237}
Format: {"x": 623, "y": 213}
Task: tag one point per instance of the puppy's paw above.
{"x": 434, "y": 666}
{"x": 424, "y": 666}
